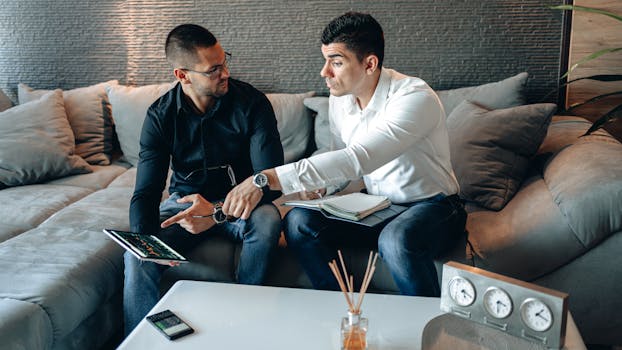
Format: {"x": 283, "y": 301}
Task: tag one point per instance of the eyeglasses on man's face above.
{"x": 216, "y": 70}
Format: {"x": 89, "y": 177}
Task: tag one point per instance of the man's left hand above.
{"x": 242, "y": 199}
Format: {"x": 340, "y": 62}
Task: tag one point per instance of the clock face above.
{"x": 497, "y": 302}
{"x": 536, "y": 315}
{"x": 461, "y": 291}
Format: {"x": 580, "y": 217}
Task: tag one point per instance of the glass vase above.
{"x": 354, "y": 332}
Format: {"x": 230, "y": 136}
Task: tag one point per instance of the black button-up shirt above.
{"x": 240, "y": 131}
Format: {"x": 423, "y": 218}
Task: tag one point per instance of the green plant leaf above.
{"x": 591, "y": 57}
{"x": 608, "y": 117}
{"x": 587, "y": 9}
{"x": 591, "y": 100}
{"x": 599, "y": 77}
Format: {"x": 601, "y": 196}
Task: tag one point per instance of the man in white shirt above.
{"x": 390, "y": 130}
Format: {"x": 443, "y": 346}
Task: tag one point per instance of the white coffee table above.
{"x": 232, "y": 316}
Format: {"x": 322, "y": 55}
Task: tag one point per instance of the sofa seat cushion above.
{"x": 585, "y": 181}
{"x": 100, "y": 178}
{"x": 25, "y": 207}
{"x": 107, "y": 208}
{"x": 24, "y": 325}
{"x": 69, "y": 272}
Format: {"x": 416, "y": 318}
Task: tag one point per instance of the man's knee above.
{"x": 394, "y": 241}
{"x": 296, "y": 225}
{"x": 267, "y": 220}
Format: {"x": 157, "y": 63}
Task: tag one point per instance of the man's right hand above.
{"x": 317, "y": 194}
{"x": 187, "y": 218}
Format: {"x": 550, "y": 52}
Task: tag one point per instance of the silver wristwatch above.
{"x": 260, "y": 180}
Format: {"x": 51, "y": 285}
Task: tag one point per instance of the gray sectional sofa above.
{"x": 557, "y": 223}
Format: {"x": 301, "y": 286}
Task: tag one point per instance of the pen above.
{"x": 203, "y": 216}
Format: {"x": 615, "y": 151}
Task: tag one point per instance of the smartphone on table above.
{"x": 170, "y": 324}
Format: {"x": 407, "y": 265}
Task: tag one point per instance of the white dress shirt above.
{"x": 398, "y": 144}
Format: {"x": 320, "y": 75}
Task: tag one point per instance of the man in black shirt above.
{"x": 212, "y": 131}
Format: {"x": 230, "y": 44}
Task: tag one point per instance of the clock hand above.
{"x": 538, "y": 314}
{"x": 465, "y": 293}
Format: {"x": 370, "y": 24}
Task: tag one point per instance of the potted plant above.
{"x": 614, "y": 113}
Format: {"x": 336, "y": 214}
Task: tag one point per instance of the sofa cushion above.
{"x": 68, "y": 272}
{"x": 321, "y": 124}
{"x": 5, "y": 102}
{"x": 585, "y": 181}
{"x": 36, "y": 142}
{"x": 25, "y": 207}
{"x": 107, "y": 208}
{"x": 293, "y": 122}
{"x": 502, "y": 94}
{"x": 24, "y": 325}
{"x": 88, "y": 112}
{"x": 491, "y": 149}
{"x": 100, "y": 178}
{"x": 129, "y": 108}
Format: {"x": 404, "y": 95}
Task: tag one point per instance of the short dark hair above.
{"x": 182, "y": 43}
{"x": 360, "y": 32}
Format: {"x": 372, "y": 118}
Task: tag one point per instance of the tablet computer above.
{"x": 145, "y": 247}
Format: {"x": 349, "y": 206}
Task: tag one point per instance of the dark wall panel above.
{"x": 449, "y": 43}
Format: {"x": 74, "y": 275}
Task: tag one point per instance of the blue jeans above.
{"x": 259, "y": 236}
{"x": 407, "y": 244}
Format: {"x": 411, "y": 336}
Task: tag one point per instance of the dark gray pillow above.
{"x": 491, "y": 149}
{"x": 506, "y": 93}
{"x": 322, "y": 126}
{"x": 36, "y": 142}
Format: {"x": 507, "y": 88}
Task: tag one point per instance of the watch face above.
{"x": 461, "y": 291}
{"x": 218, "y": 216}
{"x": 536, "y": 315}
{"x": 260, "y": 180}
{"x": 497, "y": 302}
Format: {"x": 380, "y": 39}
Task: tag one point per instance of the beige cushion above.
{"x": 129, "y": 109}
{"x": 88, "y": 112}
{"x": 36, "y": 142}
{"x": 502, "y": 94}
{"x": 293, "y": 122}
{"x": 5, "y": 102}
{"x": 491, "y": 149}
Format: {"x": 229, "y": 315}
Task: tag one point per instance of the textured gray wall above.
{"x": 449, "y": 43}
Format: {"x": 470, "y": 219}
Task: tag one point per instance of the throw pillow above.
{"x": 5, "y": 102}
{"x": 322, "y": 126}
{"x": 36, "y": 142}
{"x": 502, "y": 94}
{"x": 88, "y": 112}
{"x": 293, "y": 122}
{"x": 490, "y": 149}
{"x": 129, "y": 108}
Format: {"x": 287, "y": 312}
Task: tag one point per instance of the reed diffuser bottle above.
{"x": 353, "y": 327}
{"x": 354, "y": 332}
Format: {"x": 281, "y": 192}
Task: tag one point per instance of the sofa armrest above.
{"x": 571, "y": 202}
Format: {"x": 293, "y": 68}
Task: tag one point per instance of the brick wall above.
{"x": 449, "y": 43}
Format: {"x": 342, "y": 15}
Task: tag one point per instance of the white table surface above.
{"x": 233, "y": 316}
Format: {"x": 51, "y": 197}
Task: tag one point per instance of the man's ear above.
{"x": 181, "y": 75}
{"x": 371, "y": 64}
